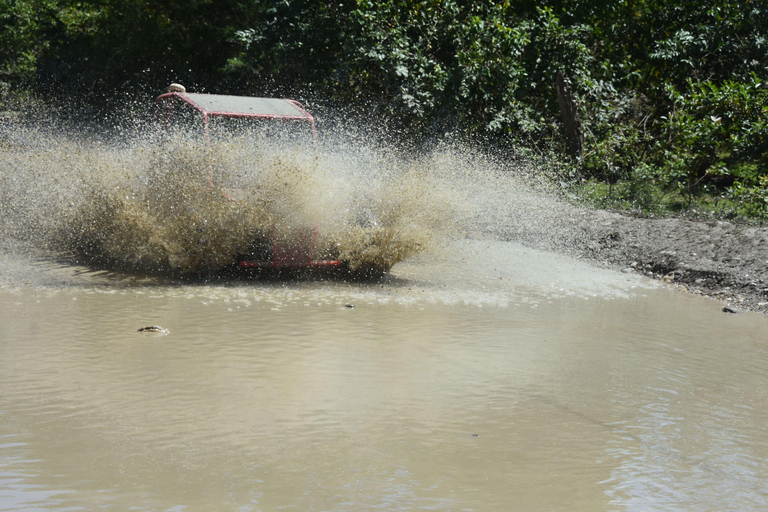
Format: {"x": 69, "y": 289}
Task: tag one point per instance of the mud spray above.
{"x": 145, "y": 203}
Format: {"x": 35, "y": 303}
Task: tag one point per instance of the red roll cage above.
{"x": 238, "y": 107}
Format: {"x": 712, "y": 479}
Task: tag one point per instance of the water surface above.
{"x": 487, "y": 377}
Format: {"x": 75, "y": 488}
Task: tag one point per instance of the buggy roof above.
{"x": 242, "y": 106}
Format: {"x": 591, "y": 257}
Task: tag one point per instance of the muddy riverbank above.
{"x": 715, "y": 258}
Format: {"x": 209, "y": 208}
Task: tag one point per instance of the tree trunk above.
{"x": 574, "y": 135}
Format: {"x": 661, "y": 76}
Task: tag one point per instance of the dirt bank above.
{"x": 715, "y": 258}
{"x": 720, "y": 259}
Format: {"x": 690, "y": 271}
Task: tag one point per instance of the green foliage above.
{"x": 23, "y": 29}
{"x": 443, "y": 62}
{"x": 681, "y": 110}
{"x": 752, "y": 200}
{"x": 715, "y": 136}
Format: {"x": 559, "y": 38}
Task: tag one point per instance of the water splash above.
{"x": 178, "y": 206}
{"x": 161, "y": 203}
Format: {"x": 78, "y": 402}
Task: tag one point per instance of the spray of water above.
{"x": 171, "y": 204}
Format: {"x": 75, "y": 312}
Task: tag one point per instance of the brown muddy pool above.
{"x": 496, "y": 378}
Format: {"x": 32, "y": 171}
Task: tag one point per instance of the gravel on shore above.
{"x": 715, "y": 258}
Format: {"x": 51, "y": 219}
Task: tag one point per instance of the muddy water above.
{"x": 531, "y": 382}
{"x": 480, "y": 374}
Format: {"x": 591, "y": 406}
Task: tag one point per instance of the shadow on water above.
{"x": 229, "y": 276}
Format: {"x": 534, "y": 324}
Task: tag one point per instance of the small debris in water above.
{"x": 474, "y": 435}
{"x": 153, "y": 328}
{"x": 729, "y": 309}
{"x": 350, "y": 306}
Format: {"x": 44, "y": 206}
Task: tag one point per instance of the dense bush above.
{"x": 718, "y": 134}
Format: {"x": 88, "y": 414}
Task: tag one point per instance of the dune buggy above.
{"x": 203, "y": 112}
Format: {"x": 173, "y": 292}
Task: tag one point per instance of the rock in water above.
{"x": 153, "y": 328}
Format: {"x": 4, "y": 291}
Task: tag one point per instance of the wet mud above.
{"x": 714, "y": 258}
